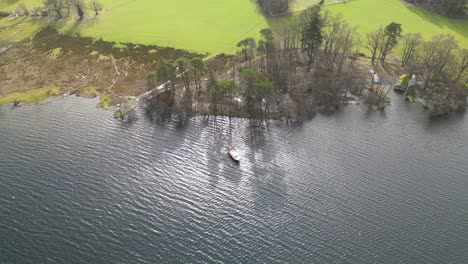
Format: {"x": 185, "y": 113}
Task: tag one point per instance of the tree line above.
{"x": 331, "y": 47}
{"x": 453, "y": 8}
{"x": 182, "y": 78}
{"x": 442, "y": 67}
{"x": 309, "y": 61}
{"x": 440, "y": 63}
{"x": 270, "y": 7}
{"x": 310, "y": 64}
{"x": 60, "y": 8}
{"x": 291, "y": 71}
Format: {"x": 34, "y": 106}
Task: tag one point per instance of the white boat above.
{"x": 234, "y": 154}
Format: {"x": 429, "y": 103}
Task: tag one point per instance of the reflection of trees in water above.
{"x": 270, "y": 192}
{"x": 256, "y": 134}
{"x": 164, "y": 108}
{"x": 225, "y": 131}
{"x": 258, "y": 130}
{"x": 130, "y": 119}
{"x": 158, "y": 110}
{"x": 221, "y": 130}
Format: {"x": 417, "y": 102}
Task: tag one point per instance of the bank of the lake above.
{"x": 51, "y": 64}
{"x": 353, "y": 187}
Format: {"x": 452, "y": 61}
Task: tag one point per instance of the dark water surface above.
{"x": 77, "y": 186}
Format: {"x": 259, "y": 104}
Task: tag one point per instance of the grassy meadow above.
{"x": 25, "y": 28}
{"x": 7, "y": 5}
{"x": 368, "y": 15}
{"x": 216, "y": 26}
{"x": 204, "y": 26}
{"x": 298, "y": 5}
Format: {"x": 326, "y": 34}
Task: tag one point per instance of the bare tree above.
{"x": 198, "y": 67}
{"x": 80, "y": 7}
{"x": 332, "y": 28}
{"x": 462, "y": 64}
{"x": 427, "y": 52}
{"x": 373, "y": 42}
{"x": 453, "y": 8}
{"x": 346, "y": 44}
{"x": 67, "y": 4}
{"x": 96, "y": 7}
{"x": 340, "y": 43}
{"x": 411, "y": 42}
{"x": 268, "y": 44}
{"x": 183, "y": 68}
{"x": 55, "y": 6}
{"x": 437, "y": 57}
{"x": 442, "y": 92}
{"x": 280, "y": 67}
{"x": 23, "y": 9}
{"x": 36, "y": 11}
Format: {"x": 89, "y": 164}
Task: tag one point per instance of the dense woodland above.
{"x": 270, "y": 7}
{"x": 453, "y": 8}
{"x": 285, "y": 75}
{"x": 310, "y": 64}
{"x": 313, "y": 64}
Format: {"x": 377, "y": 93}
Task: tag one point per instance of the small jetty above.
{"x": 377, "y": 98}
{"x": 130, "y": 103}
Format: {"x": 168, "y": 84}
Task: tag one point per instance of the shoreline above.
{"x": 78, "y": 65}
{"x": 96, "y": 68}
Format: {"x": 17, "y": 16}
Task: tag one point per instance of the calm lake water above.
{"x": 77, "y": 186}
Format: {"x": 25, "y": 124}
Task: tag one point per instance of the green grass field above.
{"x": 367, "y": 15}
{"x": 217, "y": 25}
{"x": 205, "y": 26}
{"x": 25, "y": 28}
{"x": 298, "y": 5}
{"x": 7, "y": 5}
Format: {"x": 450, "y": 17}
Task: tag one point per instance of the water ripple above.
{"x": 356, "y": 187}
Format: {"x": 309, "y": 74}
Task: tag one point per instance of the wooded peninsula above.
{"x": 306, "y": 59}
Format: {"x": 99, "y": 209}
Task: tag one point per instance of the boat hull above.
{"x": 233, "y": 154}
{"x": 399, "y": 89}
{"x": 234, "y": 159}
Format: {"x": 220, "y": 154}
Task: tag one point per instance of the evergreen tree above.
{"x": 312, "y": 31}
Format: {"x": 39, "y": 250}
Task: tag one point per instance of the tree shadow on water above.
{"x": 434, "y": 123}
{"x": 129, "y": 121}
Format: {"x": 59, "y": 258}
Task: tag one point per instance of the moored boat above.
{"x": 233, "y": 154}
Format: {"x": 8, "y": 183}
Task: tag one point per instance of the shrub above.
{"x": 23, "y": 9}
{"x": 151, "y": 81}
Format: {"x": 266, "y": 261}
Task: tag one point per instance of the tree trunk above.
{"x": 80, "y": 13}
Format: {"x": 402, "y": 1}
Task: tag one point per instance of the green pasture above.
{"x": 298, "y": 5}
{"x": 216, "y": 26}
{"x": 21, "y": 29}
{"x": 205, "y": 26}
{"x": 368, "y": 15}
{"x": 7, "y": 5}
